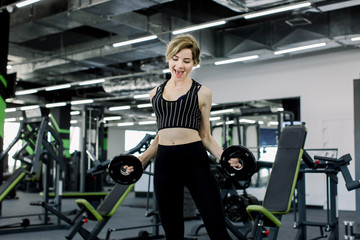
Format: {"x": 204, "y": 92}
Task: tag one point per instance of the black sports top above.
{"x": 182, "y": 113}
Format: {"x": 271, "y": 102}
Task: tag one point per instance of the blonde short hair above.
{"x": 181, "y": 42}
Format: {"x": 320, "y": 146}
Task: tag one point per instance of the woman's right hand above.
{"x": 126, "y": 170}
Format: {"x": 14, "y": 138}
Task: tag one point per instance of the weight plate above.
{"x": 118, "y": 162}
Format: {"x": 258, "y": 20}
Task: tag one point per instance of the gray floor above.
{"x": 132, "y": 213}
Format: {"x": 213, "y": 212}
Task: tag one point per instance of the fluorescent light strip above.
{"x": 25, "y": 3}
{"x": 166, "y": 70}
{"x": 10, "y": 119}
{"x": 247, "y": 121}
{"x": 90, "y": 82}
{"x": 58, "y": 87}
{"x": 316, "y": 45}
{"x": 146, "y": 105}
{"x": 52, "y": 105}
{"x": 277, "y": 10}
{"x": 355, "y": 39}
{"x": 125, "y": 124}
{"x": 112, "y": 118}
{"x": 242, "y": 59}
{"x": 119, "y": 108}
{"x": 198, "y": 27}
{"x": 73, "y": 121}
{"x": 74, "y": 113}
{"x": 227, "y": 123}
{"x": 26, "y": 92}
{"x": 142, "y": 96}
{"x": 222, "y": 111}
{"x": 143, "y": 39}
{"x": 7, "y": 110}
{"x": 147, "y": 122}
{"x": 29, "y": 107}
{"x": 215, "y": 119}
{"x": 82, "y": 102}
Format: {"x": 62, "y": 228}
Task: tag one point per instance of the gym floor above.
{"x": 132, "y": 213}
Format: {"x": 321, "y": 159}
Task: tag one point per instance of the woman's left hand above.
{"x": 235, "y": 163}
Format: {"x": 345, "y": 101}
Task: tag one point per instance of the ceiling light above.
{"x": 73, "y": 121}
{"x": 113, "y": 118}
{"x": 125, "y": 124}
{"x": 280, "y": 109}
{"x": 316, "y": 45}
{"x": 250, "y": 121}
{"x": 227, "y": 123}
{"x": 277, "y": 10}
{"x": 8, "y": 67}
{"x": 25, "y": 3}
{"x": 222, "y": 111}
{"x": 147, "y": 122}
{"x": 90, "y": 82}
{"x": 214, "y": 118}
{"x": 82, "y": 101}
{"x": 119, "y": 108}
{"x": 200, "y": 26}
{"x": 219, "y": 123}
{"x": 52, "y": 105}
{"x": 273, "y": 123}
{"x": 146, "y": 105}
{"x": 58, "y": 87}
{"x": 166, "y": 70}
{"x": 355, "y": 39}
{"x": 10, "y": 119}
{"x": 74, "y": 113}
{"x": 26, "y": 92}
{"x": 143, "y": 39}
{"x": 142, "y": 96}
{"x": 7, "y": 110}
{"x": 29, "y": 107}
{"x": 242, "y": 59}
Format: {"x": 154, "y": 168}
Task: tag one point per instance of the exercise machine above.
{"x": 331, "y": 167}
{"x": 45, "y": 141}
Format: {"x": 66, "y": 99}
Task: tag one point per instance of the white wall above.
{"x": 324, "y": 83}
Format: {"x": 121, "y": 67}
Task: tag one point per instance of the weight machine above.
{"x": 331, "y": 167}
{"x": 46, "y": 144}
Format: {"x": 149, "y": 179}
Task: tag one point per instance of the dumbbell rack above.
{"x": 349, "y": 231}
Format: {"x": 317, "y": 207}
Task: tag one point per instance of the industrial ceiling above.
{"x": 69, "y": 42}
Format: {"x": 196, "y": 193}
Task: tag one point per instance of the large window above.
{"x": 133, "y": 137}
{"x": 10, "y": 131}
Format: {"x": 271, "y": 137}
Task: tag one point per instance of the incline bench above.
{"x": 281, "y": 185}
{"x": 102, "y": 214}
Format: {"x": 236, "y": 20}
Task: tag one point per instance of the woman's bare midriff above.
{"x": 177, "y": 136}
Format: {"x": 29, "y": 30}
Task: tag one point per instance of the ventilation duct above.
{"x": 131, "y": 85}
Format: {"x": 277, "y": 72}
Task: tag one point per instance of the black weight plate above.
{"x": 248, "y": 161}
{"x": 129, "y": 160}
{"x": 235, "y": 208}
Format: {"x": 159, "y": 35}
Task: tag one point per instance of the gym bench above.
{"x": 102, "y": 214}
{"x": 278, "y": 196}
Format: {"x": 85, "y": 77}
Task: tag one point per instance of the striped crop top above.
{"x": 182, "y": 113}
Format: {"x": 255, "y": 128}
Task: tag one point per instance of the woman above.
{"x": 182, "y": 107}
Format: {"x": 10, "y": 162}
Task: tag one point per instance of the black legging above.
{"x": 187, "y": 165}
